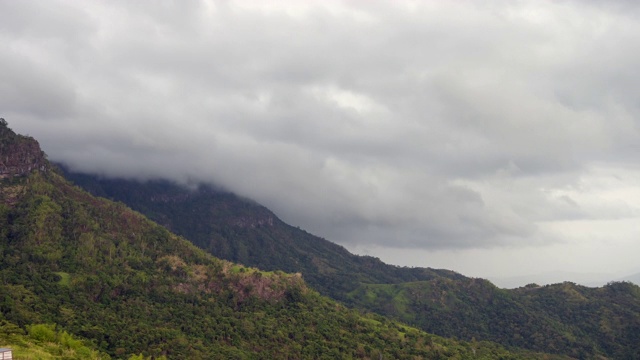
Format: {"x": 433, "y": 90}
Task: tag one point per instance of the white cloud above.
{"x": 412, "y": 125}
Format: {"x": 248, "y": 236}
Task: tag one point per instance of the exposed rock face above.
{"x": 19, "y": 155}
{"x": 252, "y": 222}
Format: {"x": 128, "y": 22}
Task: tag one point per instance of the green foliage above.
{"x": 65, "y": 278}
{"x": 142, "y": 357}
{"x": 42, "y": 332}
{"x": 239, "y": 230}
{"x": 105, "y": 273}
{"x": 563, "y": 319}
{"x": 44, "y": 342}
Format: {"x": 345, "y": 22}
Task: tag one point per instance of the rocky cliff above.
{"x": 19, "y": 154}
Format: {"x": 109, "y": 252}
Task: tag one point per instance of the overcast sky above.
{"x": 494, "y": 138}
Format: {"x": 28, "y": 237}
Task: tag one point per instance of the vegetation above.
{"x": 564, "y": 318}
{"x": 82, "y": 277}
{"x": 242, "y": 231}
{"x": 44, "y": 342}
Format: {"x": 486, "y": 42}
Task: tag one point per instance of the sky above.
{"x": 494, "y": 138}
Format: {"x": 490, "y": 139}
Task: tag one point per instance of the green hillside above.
{"x": 240, "y": 230}
{"x": 44, "y": 342}
{"x": 438, "y": 301}
{"x": 98, "y": 271}
{"x": 563, "y": 318}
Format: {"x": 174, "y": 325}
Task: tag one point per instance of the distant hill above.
{"x": 119, "y": 285}
{"x": 554, "y": 277}
{"x": 635, "y": 278}
{"x": 564, "y": 318}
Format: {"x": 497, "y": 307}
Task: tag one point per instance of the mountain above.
{"x": 240, "y": 230}
{"x": 554, "y": 277}
{"x": 563, "y": 318}
{"x": 635, "y": 278}
{"x": 118, "y": 284}
{"x": 20, "y": 154}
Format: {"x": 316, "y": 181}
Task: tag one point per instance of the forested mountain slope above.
{"x": 439, "y": 301}
{"x": 562, "y": 318}
{"x": 103, "y": 273}
{"x": 240, "y": 230}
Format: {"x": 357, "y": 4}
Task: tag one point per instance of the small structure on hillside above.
{"x": 6, "y": 354}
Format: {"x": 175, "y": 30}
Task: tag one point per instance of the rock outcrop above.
{"x": 19, "y": 155}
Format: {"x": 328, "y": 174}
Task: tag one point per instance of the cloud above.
{"x": 423, "y": 125}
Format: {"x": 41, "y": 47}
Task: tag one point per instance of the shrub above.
{"x": 42, "y": 332}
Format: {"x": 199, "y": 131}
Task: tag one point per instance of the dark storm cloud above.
{"x": 422, "y": 125}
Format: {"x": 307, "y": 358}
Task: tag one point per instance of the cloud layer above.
{"x": 412, "y": 125}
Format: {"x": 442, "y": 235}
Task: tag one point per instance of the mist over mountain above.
{"x": 241, "y": 230}
{"x": 87, "y": 278}
{"x": 320, "y": 179}
{"x": 550, "y": 318}
{"x": 491, "y": 137}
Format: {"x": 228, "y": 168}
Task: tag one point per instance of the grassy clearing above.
{"x": 65, "y": 278}
{"x": 33, "y": 350}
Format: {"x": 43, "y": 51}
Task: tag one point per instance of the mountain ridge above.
{"x": 214, "y": 220}
{"x": 438, "y": 301}
{"x": 113, "y": 278}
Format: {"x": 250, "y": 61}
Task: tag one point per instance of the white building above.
{"x": 6, "y": 354}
